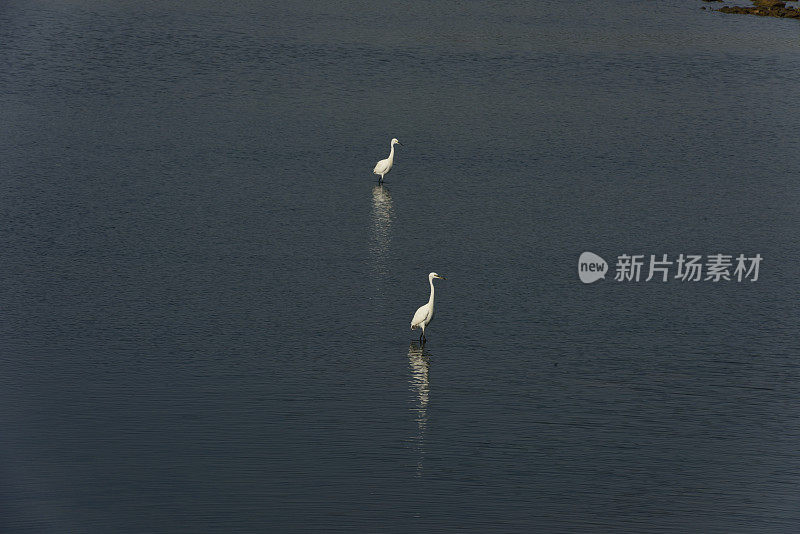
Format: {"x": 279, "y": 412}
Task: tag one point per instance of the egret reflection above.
{"x": 382, "y": 216}
{"x": 419, "y": 384}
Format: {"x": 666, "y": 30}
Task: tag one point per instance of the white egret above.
{"x": 424, "y": 314}
{"x": 385, "y": 165}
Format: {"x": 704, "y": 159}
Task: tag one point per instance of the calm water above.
{"x": 205, "y": 297}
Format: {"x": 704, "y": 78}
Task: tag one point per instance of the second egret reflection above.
{"x": 420, "y": 384}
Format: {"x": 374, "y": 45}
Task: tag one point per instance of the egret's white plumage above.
{"x": 385, "y": 165}
{"x": 424, "y": 314}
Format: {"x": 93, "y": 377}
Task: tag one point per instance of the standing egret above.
{"x": 385, "y": 165}
{"x": 424, "y": 314}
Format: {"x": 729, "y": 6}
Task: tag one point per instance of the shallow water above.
{"x": 206, "y": 295}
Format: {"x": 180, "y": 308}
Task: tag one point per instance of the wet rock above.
{"x": 764, "y": 8}
{"x": 769, "y": 3}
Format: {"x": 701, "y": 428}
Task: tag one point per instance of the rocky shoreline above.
{"x": 762, "y": 8}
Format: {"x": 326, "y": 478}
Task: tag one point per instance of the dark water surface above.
{"x": 205, "y": 297}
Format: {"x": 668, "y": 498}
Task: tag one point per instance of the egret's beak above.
{"x": 442, "y": 277}
{"x": 401, "y": 144}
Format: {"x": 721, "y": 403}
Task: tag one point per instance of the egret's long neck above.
{"x": 430, "y": 300}
{"x": 391, "y": 153}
